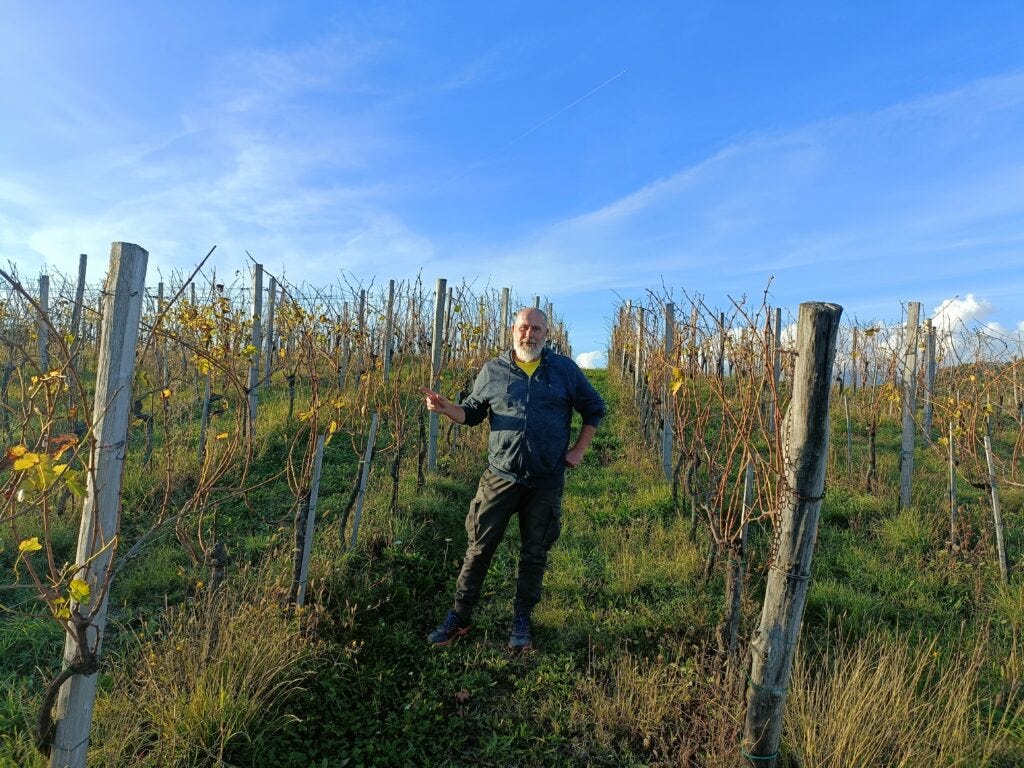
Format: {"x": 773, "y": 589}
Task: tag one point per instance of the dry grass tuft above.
{"x": 888, "y": 701}
{"x": 669, "y": 711}
{"x": 187, "y": 701}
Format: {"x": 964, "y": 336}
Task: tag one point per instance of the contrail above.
{"x": 566, "y": 108}
{"x": 541, "y": 124}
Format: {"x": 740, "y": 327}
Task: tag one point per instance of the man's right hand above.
{"x": 438, "y": 403}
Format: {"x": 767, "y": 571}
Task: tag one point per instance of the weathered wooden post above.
{"x": 204, "y": 419}
{"x": 953, "y": 538}
{"x": 854, "y": 356}
{"x": 773, "y": 411}
{"x": 160, "y": 350}
{"x": 929, "y": 378}
{"x": 728, "y": 630}
{"x": 504, "y": 322}
{"x": 123, "y": 293}
{"x": 268, "y": 353}
{"x": 667, "y": 399}
{"x": 805, "y": 456}
{"x": 346, "y": 346}
{"x": 364, "y": 477}
{"x": 909, "y": 403}
{"x": 310, "y": 521}
{"x": 638, "y": 354}
{"x": 42, "y": 323}
{"x": 389, "y": 322}
{"x": 435, "y": 369}
{"x": 536, "y": 302}
{"x": 720, "y": 362}
{"x": 257, "y": 344}
{"x": 447, "y": 335}
{"x": 361, "y": 331}
{"x": 627, "y": 331}
{"x": 997, "y": 517}
{"x": 76, "y": 311}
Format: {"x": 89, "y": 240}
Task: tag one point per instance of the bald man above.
{"x": 528, "y": 395}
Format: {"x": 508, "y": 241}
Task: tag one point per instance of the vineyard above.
{"x": 225, "y": 501}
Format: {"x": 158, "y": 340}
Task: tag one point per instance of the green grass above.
{"x": 624, "y": 674}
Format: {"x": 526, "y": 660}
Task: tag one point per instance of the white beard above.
{"x": 525, "y": 354}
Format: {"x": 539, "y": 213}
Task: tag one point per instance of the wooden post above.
{"x": 909, "y": 403}
{"x": 667, "y": 412}
{"x": 929, "y": 378}
{"x": 849, "y": 436}
{"x": 773, "y": 412}
{"x": 346, "y": 346}
{"x": 204, "y": 419}
{"x": 76, "y": 312}
{"x": 638, "y": 354}
{"x": 953, "y": 538}
{"x": 123, "y": 293}
{"x": 997, "y": 517}
{"x": 257, "y": 343}
{"x": 728, "y": 631}
{"x": 364, "y": 477}
{"x": 720, "y": 367}
{"x": 447, "y": 336}
{"x": 435, "y": 369}
{"x": 627, "y": 332}
{"x": 505, "y": 322}
{"x": 160, "y": 350}
{"x": 389, "y": 322}
{"x": 43, "y": 331}
{"x": 361, "y": 331}
{"x": 268, "y": 353}
{"x": 854, "y": 357}
{"x": 536, "y": 302}
{"x": 307, "y": 540}
{"x": 805, "y": 456}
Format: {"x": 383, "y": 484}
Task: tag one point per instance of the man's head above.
{"x": 529, "y": 330}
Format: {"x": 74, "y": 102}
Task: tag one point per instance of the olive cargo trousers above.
{"x": 540, "y": 522}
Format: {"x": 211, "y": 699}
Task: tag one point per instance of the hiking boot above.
{"x": 520, "y": 639}
{"x": 448, "y": 631}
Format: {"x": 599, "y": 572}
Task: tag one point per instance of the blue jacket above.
{"x": 530, "y": 417}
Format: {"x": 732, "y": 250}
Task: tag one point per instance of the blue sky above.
{"x": 863, "y": 153}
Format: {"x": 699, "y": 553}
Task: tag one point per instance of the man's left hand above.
{"x": 573, "y": 457}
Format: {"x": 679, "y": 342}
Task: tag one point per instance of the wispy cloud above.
{"x": 862, "y": 200}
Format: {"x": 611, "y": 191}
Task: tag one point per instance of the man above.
{"x": 528, "y": 395}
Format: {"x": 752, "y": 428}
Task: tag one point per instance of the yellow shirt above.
{"x": 528, "y": 368}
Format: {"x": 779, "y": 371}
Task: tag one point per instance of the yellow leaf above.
{"x": 60, "y": 608}
{"x": 677, "y": 379}
{"x": 222, "y": 436}
{"x": 79, "y": 590}
{"x": 333, "y": 427}
{"x": 30, "y": 545}
{"x": 17, "y": 451}
{"x": 306, "y": 415}
{"x": 27, "y": 461}
{"x": 166, "y": 394}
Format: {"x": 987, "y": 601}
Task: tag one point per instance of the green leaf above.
{"x": 73, "y": 480}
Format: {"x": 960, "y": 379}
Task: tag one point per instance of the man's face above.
{"x": 528, "y": 334}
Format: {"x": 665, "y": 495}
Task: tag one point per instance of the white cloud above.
{"x": 596, "y": 359}
{"x": 956, "y": 313}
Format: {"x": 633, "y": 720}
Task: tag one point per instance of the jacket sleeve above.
{"x": 476, "y": 404}
{"x": 587, "y": 401}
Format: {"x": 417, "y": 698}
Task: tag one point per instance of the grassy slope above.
{"x": 620, "y": 675}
